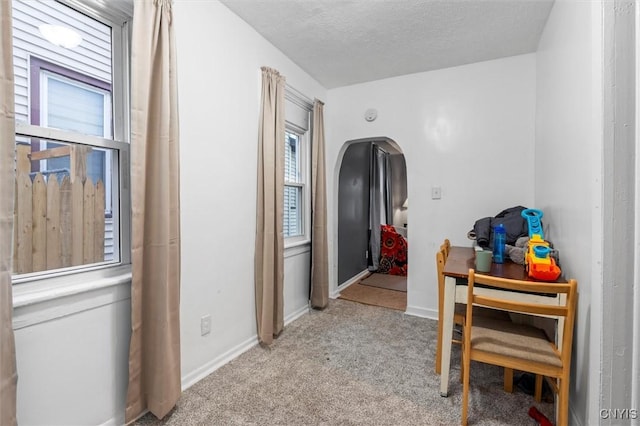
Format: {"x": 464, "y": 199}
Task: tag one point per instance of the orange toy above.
{"x": 538, "y": 261}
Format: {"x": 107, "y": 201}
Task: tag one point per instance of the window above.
{"x": 297, "y": 200}
{"x": 72, "y": 143}
{"x": 294, "y": 187}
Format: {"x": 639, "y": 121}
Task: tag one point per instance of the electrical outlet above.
{"x": 205, "y": 325}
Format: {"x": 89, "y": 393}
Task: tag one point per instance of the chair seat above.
{"x": 514, "y": 340}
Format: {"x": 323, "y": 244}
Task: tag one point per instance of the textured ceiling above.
{"x": 341, "y": 42}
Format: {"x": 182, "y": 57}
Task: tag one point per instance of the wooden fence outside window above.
{"x": 57, "y": 223}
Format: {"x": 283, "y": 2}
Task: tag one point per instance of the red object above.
{"x": 539, "y": 417}
{"x": 393, "y": 252}
{"x": 544, "y": 272}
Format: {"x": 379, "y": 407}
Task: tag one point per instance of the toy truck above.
{"x": 538, "y": 261}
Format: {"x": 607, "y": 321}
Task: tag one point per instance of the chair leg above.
{"x": 465, "y": 388}
{"x": 508, "y": 380}
{"x": 440, "y": 313}
{"x": 563, "y": 402}
{"x": 462, "y": 326}
{"x": 439, "y": 347}
{"x": 538, "y": 389}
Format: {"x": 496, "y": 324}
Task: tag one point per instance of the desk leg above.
{"x": 447, "y": 333}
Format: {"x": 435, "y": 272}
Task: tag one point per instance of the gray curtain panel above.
{"x": 269, "y": 253}
{"x": 379, "y": 205}
{"x": 154, "y": 354}
{"x": 8, "y": 374}
{"x": 388, "y": 184}
{"x": 319, "y": 245}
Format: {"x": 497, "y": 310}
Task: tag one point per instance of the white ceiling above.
{"x": 341, "y": 42}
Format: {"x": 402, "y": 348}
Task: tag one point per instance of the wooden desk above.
{"x": 457, "y": 266}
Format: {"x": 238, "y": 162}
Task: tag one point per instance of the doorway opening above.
{"x": 373, "y": 223}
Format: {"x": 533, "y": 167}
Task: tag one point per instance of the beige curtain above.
{"x": 8, "y": 374}
{"x": 154, "y": 353}
{"x": 319, "y": 246}
{"x": 269, "y": 256}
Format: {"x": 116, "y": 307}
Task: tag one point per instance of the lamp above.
{"x": 403, "y": 212}
{"x": 60, "y": 35}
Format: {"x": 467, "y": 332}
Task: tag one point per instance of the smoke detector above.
{"x": 370, "y": 114}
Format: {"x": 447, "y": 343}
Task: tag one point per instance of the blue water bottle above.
{"x": 499, "y": 240}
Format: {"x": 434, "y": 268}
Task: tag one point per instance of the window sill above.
{"x": 44, "y": 300}
{"x": 296, "y": 241}
{"x": 49, "y": 289}
{"x": 295, "y": 248}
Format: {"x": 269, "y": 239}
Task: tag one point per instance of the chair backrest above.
{"x": 566, "y": 308}
{"x": 445, "y": 247}
{"x": 441, "y": 258}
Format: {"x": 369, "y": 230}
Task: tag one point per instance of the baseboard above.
{"x": 115, "y": 422}
{"x": 208, "y": 368}
{"x": 417, "y": 311}
{"x": 352, "y": 280}
{"x": 297, "y": 314}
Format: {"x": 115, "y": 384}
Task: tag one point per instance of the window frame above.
{"x": 301, "y": 183}
{"x": 298, "y": 109}
{"x": 49, "y": 284}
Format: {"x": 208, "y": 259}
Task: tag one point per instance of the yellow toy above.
{"x": 538, "y": 261}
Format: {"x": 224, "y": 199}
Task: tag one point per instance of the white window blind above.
{"x": 76, "y": 107}
{"x": 293, "y": 186}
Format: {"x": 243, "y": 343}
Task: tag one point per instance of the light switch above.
{"x": 436, "y": 192}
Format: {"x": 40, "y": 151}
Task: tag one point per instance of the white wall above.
{"x": 568, "y": 175}
{"x": 468, "y": 130}
{"x": 72, "y": 348}
{"x": 219, "y": 78}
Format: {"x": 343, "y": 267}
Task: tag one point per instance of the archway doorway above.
{"x": 372, "y": 223}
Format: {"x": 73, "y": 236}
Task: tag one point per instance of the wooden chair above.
{"x": 519, "y": 346}
{"x": 460, "y": 313}
{"x": 458, "y": 317}
{"x": 445, "y": 247}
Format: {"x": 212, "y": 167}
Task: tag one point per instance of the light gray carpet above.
{"x": 351, "y": 364}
